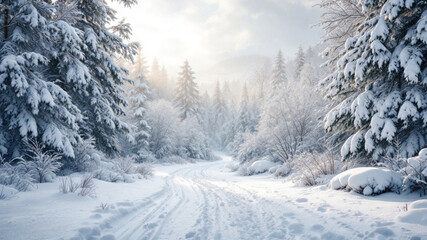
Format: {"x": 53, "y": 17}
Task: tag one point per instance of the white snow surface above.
{"x": 367, "y": 180}
{"x": 206, "y": 201}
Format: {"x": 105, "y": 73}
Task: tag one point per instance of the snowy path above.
{"x": 205, "y": 201}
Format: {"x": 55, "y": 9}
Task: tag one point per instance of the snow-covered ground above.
{"x": 206, "y": 201}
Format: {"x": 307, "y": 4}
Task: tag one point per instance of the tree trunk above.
{"x": 6, "y": 23}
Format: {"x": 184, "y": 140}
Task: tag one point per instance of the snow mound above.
{"x": 7, "y": 192}
{"x": 260, "y": 166}
{"x": 367, "y": 180}
{"x": 281, "y": 170}
{"x": 417, "y": 213}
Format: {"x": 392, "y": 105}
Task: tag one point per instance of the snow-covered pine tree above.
{"x": 245, "y": 119}
{"x": 309, "y": 75}
{"x": 299, "y": 63}
{"x": 244, "y": 123}
{"x": 137, "y": 109}
{"x": 33, "y": 103}
{"x": 278, "y": 78}
{"x": 140, "y": 66}
{"x": 99, "y": 95}
{"x": 380, "y": 82}
{"x": 187, "y": 98}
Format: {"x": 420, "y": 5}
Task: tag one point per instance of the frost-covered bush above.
{"x": 282, "y": 170}
{"x": 234, "y": 166}
{"x": 164, "y": 121}
{"x": 144, "y": 170}
{"x": 87, "y": 157}
{"x": 124, "y": 165}
{"x": 194, "y": 141}
{"x": 255, "y": 146}
{"x": 368, "y": 180}
{"x": 39, "y": 166}
{"x": 243, "y": 169}
{"x": 7, "y": 192}
{"x": 42, "y": 163}
{"x": 16, "y": 175}
{"x": 415, "y": 172}
{"x": 288, "y": 125}
{"x": 311, "y": 166}
{"x": 108, "y": 175}
{"x": 143, "y": 156}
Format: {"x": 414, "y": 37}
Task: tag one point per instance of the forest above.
{"x": 139, "y": 149}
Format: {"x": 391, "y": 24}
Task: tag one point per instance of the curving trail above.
{"x": 206, "y": 201}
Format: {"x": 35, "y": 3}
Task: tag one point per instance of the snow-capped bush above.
{"x": 283, "y": 170}
{"x": 143, "y": 156}
{"x": 108, "y": 175}
{"x": 260, "y": 166}
{"x": 164, "y": 121}
{"x": 415, "y": 173}
{"x": 234, "y": 166}
{"x": 193, "y": 140}
{"x": 144, "y": 170}
{"x": 16, "y": 175}
{"x": 311, "y": 166}
{"x": 367, "y": 180}
{"x": 41, "y": 166}
{"x": 124, "y": 165}
{"x": 87, "y": 157}
{"x": 254, "y": 146}
{"x": 7, "y": 192}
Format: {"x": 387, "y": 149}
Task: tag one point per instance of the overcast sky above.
{"x": 208, "y": 31}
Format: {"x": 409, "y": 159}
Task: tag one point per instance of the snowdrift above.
{"x": 417, "y": 213}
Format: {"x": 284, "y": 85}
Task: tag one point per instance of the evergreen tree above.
{"x": 137, "y": 102}
{"x": 309, "y": 75}
{"x": 245, "y": 123}
{"x": 155, "y": 73}
{"x": 380, "y": 82}
{"x": 33, "y": 103}
{"x": 299, "y": 63}
{"x": 99, "y": 97}
{"x": 278, "y": 78}
{"x": 140, "y": 66}
{"x": 187, "y": 94}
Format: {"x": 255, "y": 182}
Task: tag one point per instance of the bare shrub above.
{"x": 310, "y": 166}
{"x": 2, "y": 194}
{"x": 124, "y": 165}
{"x": 145, "y": 170}
{"x": 103, "y": 206}
{"x": 67, "y": 185}
{"x": 87, "y": 186}
{"x": 108, "y": 176}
